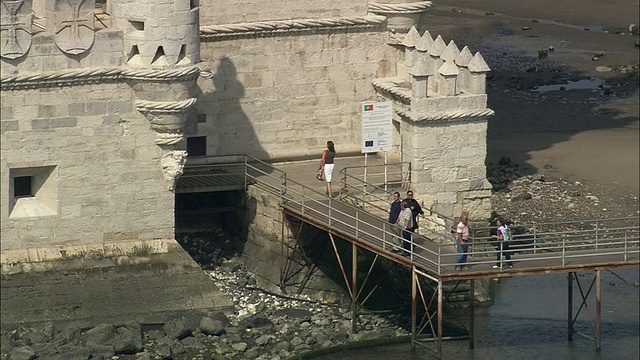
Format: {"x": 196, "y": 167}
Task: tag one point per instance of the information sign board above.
{"x": 377, "y": 127}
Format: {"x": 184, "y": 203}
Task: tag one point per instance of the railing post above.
{"x": 357, "y": 222}
{"x": 440, "y": 259}
{"x": 385, "y": 172}
{"x": 597, "y": 229}
{"x": 246, "y": 172}
{"x": 564, "y": 241}
{"x": 343, "y": 181}
{"x": 535, "y": 240}
{"x": 283, "y": 187}
{"x": 384, "y": 236}
{"x": 625, "y": 247}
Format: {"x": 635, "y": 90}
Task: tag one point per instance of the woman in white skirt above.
{"x": 327, "y": 165}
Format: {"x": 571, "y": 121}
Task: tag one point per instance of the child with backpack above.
{"x": 503, "y": 237}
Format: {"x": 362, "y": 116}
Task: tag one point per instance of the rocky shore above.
{"x": 262, "y": 326}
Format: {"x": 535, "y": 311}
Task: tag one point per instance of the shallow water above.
{"x": 583, "y": 84}
{"x": 529, "y": 321}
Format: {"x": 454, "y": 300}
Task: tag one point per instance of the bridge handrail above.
{"x": 598, "y": 241}
{"x": 367, "y": 192}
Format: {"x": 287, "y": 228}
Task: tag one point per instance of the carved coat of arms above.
{"x": 15, "y": 28}
{"x": 74, "y": 25}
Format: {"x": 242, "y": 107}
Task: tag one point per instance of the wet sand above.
{"x": 589, "y": 135}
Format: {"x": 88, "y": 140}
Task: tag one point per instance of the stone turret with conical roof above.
{"x": 443, "y": 120}
{"x": 164, "y": 51}
{"x": 478, "y": 69}
{"x": 462, "y": 60}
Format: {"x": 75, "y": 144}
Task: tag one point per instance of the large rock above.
{"x": 101, "y": 334}
{"x": 177, "y": 329}
{"x": 210, "y": 326}
{"x": 127, "y": 341}
{"x": 23, "y": 353}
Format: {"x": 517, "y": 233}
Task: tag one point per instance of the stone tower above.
{"x": 440, "y": 102}
{"x": 169, "y": 47}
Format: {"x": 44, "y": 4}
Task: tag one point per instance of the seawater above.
{"x": 529, "y": 321}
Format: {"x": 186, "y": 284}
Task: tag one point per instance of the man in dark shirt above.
{"x": 394, "y": 211}
{"x": 415, "y": 209}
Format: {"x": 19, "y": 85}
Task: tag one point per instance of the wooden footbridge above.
{"x": 567, "y": 247}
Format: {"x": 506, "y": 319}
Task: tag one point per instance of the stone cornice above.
{"x": 297, "y": 25}
{"x": 405, "y": 8}
{"x": 83, "y": 76}
{"x": 393, "y": 86}
{"x": 448, "y": 116}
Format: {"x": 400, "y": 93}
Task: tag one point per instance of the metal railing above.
{"x": 371, "y": 189}
{"x": 370, "y": 185}
{"x": 434, "y": 250}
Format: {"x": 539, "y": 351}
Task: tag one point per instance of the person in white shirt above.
{"x": 502, "y": 244}
{"x": 462, "y": 243}
{"x": 405, "y": 223}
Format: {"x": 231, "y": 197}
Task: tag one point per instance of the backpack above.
{"x": 506, "y": 234}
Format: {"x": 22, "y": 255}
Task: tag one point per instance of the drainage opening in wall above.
{"x": 211, "y": 225}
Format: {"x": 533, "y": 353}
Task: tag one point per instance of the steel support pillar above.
{"x": 414, "y": 308}
{"x": 471, "y": 311}
{"x": 570, "y": 306}
{"x": 439, "y": 340}
{"x": 598, "y": 310}
{"x": 354, "y": 288}
{"x": 595, "y": 326}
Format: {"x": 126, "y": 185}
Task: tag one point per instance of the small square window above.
{"x": 197, "y": 146}
{"x": 137, "y": 25}
{"x": 22, "y": 186}
{"x": 202, "y": 118}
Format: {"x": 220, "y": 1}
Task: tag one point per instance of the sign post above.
{"x": 377, "y": 131}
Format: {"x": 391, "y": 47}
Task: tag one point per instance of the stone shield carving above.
{"x": 74, "y": 25}
{"x": 15, "y": 28}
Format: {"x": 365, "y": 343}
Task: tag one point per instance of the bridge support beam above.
{"x": 571, "y": 318}
{"x": 471, "y": 311}
{"x": 570, "y": 306}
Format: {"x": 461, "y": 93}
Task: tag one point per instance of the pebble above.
{"x": 603, "y": 69}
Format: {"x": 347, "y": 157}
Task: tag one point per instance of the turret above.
{"x": 478, "y": 69}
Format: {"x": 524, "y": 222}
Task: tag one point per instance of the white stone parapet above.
{"x": 442, "y": 78}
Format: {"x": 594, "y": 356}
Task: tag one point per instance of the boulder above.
{"x": 177, "y": 329}
{"x": 210, "y": 326}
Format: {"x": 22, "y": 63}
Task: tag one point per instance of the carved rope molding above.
{"x": 392, "y": 87}
{"x": 91, "y": 75}
{"x": 407, "y": 8}
{"x": 265, "y": 27}
{"x": 165, "y": 107}
{"x": 446, "y": 116}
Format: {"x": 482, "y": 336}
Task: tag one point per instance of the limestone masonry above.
{"x": 102, "y": 98}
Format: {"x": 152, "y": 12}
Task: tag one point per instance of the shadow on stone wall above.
{"x": 229, "y": 130}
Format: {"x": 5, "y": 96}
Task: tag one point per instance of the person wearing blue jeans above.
{"x": 462, "y": 241}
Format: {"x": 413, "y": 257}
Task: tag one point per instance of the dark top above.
{"x": 417, "y": 209}
{"x": 394, "y": 211}
{"x": 330, "y": 156}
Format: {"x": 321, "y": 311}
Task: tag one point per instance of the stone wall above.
{"x": 100, "y": 160}
{"x": 231, "y": 11}
{"x": 448, "y": 162}
{"x": 263, "y": 252}
{"x": 44, "y": 55}
{"x": 283, "y": 96}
